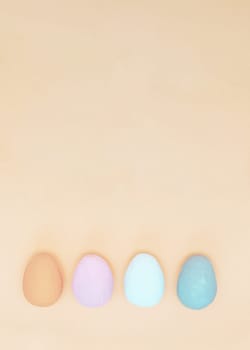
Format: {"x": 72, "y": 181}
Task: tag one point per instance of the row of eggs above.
{"x": 144, "y": 281}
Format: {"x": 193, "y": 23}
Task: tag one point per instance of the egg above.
{"x": 42, "y": 280}
{"x": 144, "y": 281}
{"x": 197, "y": 285}
{"x": 93, "y": 281}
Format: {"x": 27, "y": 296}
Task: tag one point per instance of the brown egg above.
{"x": 42, "y": 280}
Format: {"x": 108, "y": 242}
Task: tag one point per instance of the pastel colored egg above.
{"x": 144, "y": 282}
{"x": 93, "y": 281}
{"x": 42, "y": 280}
{"x": 197, "y": 285}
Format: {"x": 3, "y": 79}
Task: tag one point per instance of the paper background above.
{"x": 124, "y": 127}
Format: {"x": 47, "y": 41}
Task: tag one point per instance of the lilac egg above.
{"x": 93, "y": 281}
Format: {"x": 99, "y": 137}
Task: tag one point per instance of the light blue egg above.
{"x": 197, "y": 286}
{"x": 144, "y": 281}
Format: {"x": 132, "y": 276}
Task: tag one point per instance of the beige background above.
{"x": 125, "y": 127}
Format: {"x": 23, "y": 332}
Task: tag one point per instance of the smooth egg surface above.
{"x": 42, "y": 280}
{"x": 93, "y": 281}
{"x": 144, "y": 281}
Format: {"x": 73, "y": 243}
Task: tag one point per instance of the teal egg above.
{"x": 144, "y": 282}
{"x": 197, "y": 285}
